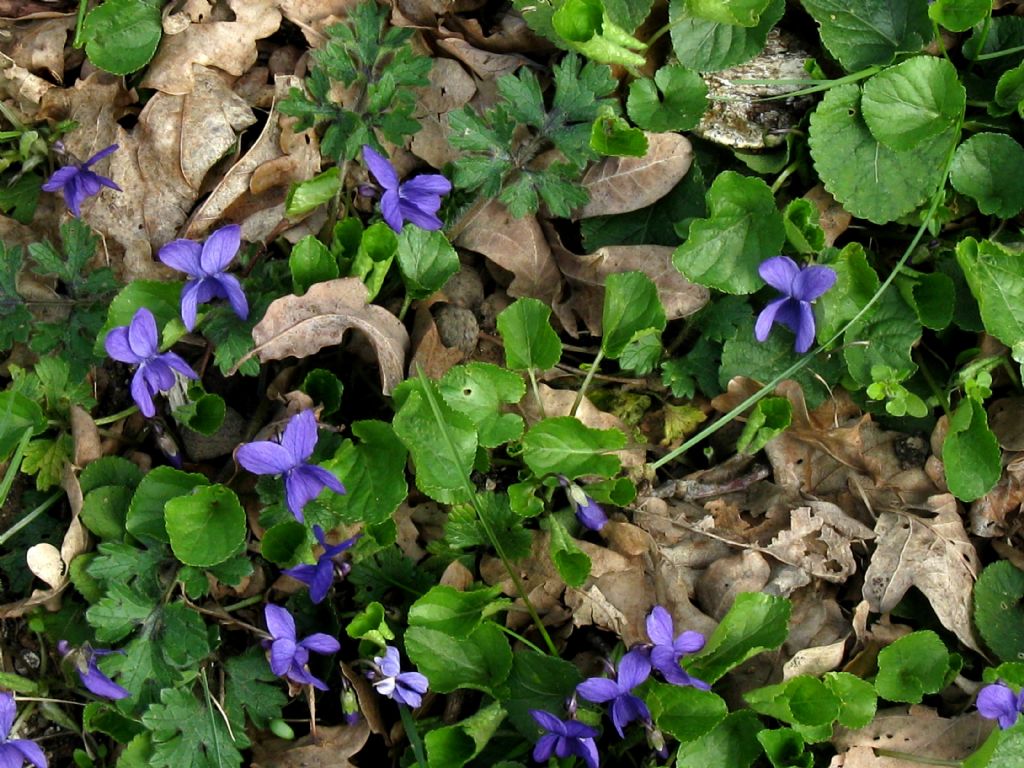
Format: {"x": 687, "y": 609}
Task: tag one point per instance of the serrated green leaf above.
{"x": 916, "y": 100}
{"x": 464, "y": 528}
{"x": 769, "y": 418}
{"x": 785, "y": 748}
{"x": 970, "y": 452}
{"x": 870, "y": 31}
{"x": 613, "y": 136}
{"x": 708, "y": 46}
{"x": 733, "y": 742}
{"x": 631, "y": 306}
{"x": 856, "y": 284}
{"x": 743, "y": 228}
{"x": 989, "y": 168}
{"x": 571, "y": 562}
{"x": 755, "y": 623}
{"x": 742, "y": 13}
{"x": 426, "y": 259}
{"x": 959, "y": 15}
{"x": 857, "y": 699}
{"x": 683, "y": 712}
{"x": 145, "y": 518}
{"x": 996, "y": 278}
{"x": 998, "y": 612}
{"x": 869, "y": 179}
{"x": 190, "y": 734}
{"x": 205, "y": 527}
{"x": 453, "y": 612}
{"x": 120, "y": 612}
{"x": 890, "y": 329}
{"x": 481, "y": 391}
{"x": 452, "y": 746}
{"x": 121, "y": 36}
{"x": 537, "y": 681}
{"x": 481, "y": 661}
{"x": 20, "y": 198}
{"x": 373, "y": 471}
{"x": 204, "y": 414}
{"x": 252, "y": 685}
{"x": 18, "y": 414}
{"x": 564, "y": 445}
{"x": 46, "y": 458}
{"x": 104, "y": 510}
{"x": 312, "y": 193}
{"x": 802, "y": 222}
{"x": 530, "y": 341}
{"x": 911, "y": 667}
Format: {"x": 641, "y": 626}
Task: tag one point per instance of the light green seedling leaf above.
{"x": 373, "y": 471}
{"x": 989, "y": 168}
{"x": 455, "y": 613}
{"x": 379, "y": 243}
{"x": 121, "y": 36}
{"x": 441, "y": 466}
{"x": 871, "y": 180}
{"x": 674, "y": 100}
{"x": 370, "y": 624}
{"x": 756, "y": 623}
{"x": 284, "y": 544}
{"x": 770, "y": 418}
{"x": 145, "y": 519}
{"x": 631, "y": 307}
{"x": 572, "y": 563}
{"x": 913, "y": 101}
{"x": 642, "y": 353}
{"x": 310, "y": 262}
{"x": 564, "y": 445}
{"x": 18, "y": 415}
{"x": 998, "y": 613}
{"x": 811, "y": 701}
{"x": 741, "y": 13}
{"x": 481, "y": 661}
{"x": 996, "y": 279}
{"x": 733, "y": 742}
{"x": 683, "y": 712}
{"x": 890, "y": 329}
{"x": 912, "y": 666}
{"x": 452, "y": 746}
{"x": 743, "y": 229}
{"x": 959, "y": 15}
{"x": 870, "y": 31}
{"x": 426, "y": 259}
{"x": 708, "y": 46}
{"x": 481, "y": 391}
{"x": 803, "y": 226}
{"x": 312, "y": 193}
{"x": 857, "y": 699}
{"x": 971, "y": 452}
{"x": 612, "y": 136}
{"x": 206, "y": 527}
{"x": 586, "y": 27}
{"x": 530, "y": 341}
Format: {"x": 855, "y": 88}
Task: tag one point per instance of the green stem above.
{"x": 786, "y": 172}
{"x": 414, "y": 735}
{"x": 536, "y": 392}
{"x": 49, "y": 502}
{"x": 406, "y": 303}
{"x": 83, "y": 6}
{"x": 804, "y": 361}
{"x": 586, "y": 382}
{"x": 15, "y": 465}
{"x": 428, "y": 391}
{"x": 520, "y": 638}
{"x": 818, "y": 87}
{"x": 117, "y": 416}
{"x": 243, "y": 603}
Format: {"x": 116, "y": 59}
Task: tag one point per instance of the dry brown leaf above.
{"x": 86, "y": 436}
{"x": 484, "y": 64}
{"x": 815, "y": 661}
{"x": 227, "y": 45}
{"x": 21, "y": 86}
{"x": 587, "y": 275}
{"x": 300, "y": 326}
{"x": 918, "y": 732}
{"x": 40, "y": 45}
{"x": 212, "y": 116}
{"x": 833, "y": 218}
{"x": 932, "y": 554}
{"x": 988, "y": 515}
{"x": 1007, "y": 422}
{"x": 725, "y": 578}
{"x": 429, "y": 352}
{"x": 313, "y": 16}
{"x": 623, "y": 184}
{"x": 517, "y": 245}
{"x": 818, "y": 541}
{"x": 330, "y": 748}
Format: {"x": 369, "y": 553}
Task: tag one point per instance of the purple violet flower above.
{"x": 303, "y": 481}
{"x": 77, "y": 182}
{"x": 564, "y": 738}
{"x": 137, "y": 344}
{"x": 416, "y": 200}
{"x": 319, "y": 577}
{"x": 669, "y": 649}
{"x": 800, "y": 287}
{"x": 999, "y": 702}
{"x": 14, "y": 752}
{"x": 404, "y": 687}
{"x": 633, "y": 669}
{"x": 588, "y": 511}
{"x": 89, "y": 673}
{"x": 205, "y": 265}
{"x": 288, "y": 656}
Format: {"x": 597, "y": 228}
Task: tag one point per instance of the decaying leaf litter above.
{"x": 838, "y": 514}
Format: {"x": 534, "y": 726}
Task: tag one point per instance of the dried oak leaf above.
{"x": 300, "y": 326}
{"x": 623, "y": 184}
{"x": 331, "y": 747}
{"x": 932, "y": 554}
{"x": 818, "y": 541}
{"x": 918, "y": 732}
{"x": 39, "y": 45}
{"x": 227, "y": 45}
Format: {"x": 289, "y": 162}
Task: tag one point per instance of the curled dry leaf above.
{"x": 919, "y": 732}
{"x": 833, "y": 218}
{"x": 484, "y": 64}
{"x": 300, "y": 326}
{"x": 313, "y": 16}
{"x": 623, "y": 184}
{"x": 931, "y": 553}
{"x": 818, "y": 541}
{"x": 40, "y": 45}
{"x": 227, "y": 45}
{"x": 517, "y": 245}
{"x": 330, "y": 748}
{"x": 86, "y": 436}
{"x": 815, "y": 661}
{"x": 21, "y": 86}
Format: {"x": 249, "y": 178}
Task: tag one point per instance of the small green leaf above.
{"x": 110, "y": 470}
{"x": 455, "y": 613}
{"x": 970, "y": 452}
{"x": 324, "y": 388}
{"x": 871, "y": 31}
{"x": 481, "y": 391}
{"x": 743, "y": 228}
{"x": 674, "y": 100}
{"x": 20, "y": 198}
{"x": 104, "y": 510}
{"x": 481, "y": 661}
{"x": 785, "y": 748}
{"x": 683, "y": 712}
{"x": 145, "y": 518}
{"x": 770, "y": 418}
{"x": 18, "y": 414}
{"x": 857, "y": 699}
{"x": 207, "y": 526}
{"x": 989, "y": 168}
{"x": 190, "y": 734}
{"x": 756, "y": 623}
{"x": 856, "y": 284}
{"x": 162, "y": 299}
{"x": 284, "y": 544}
{"x": 564, "y": 445}
{"x": 121, "y": 36}
{"x": 204, "y": 415}
{"x": 631, "y": 306}
{"x": 912, "y": 666}
{"x": 530, "y": 341}
{"x": 373, "y": 471}
{"x": 426, "y": 259}
{"x": 996, "y": 278}
{"x": 613, "y": 136}
{"x": 890, "y": 330}
{"x": 537, "y": 681}
{"x": 46, "y": 458}
{"x": 811, "y": 702}
{"x": 733, "y": 742}
{"x": 741, "y": 13}
{"x": 803, "y": 226}
{"x": 310, "y": 262}
{"x": 959, "y": 15}
{"x": 312, "y": 193}
{"x": 370, "y": 624}
{"x": 708, "y": 46}
{"x": 916, "y": 100}
{"x": 998, "y": 612}
{"x": 452, "y": 746}
{"x": 253, "y": 686}
{"x": 572, "y": 563}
